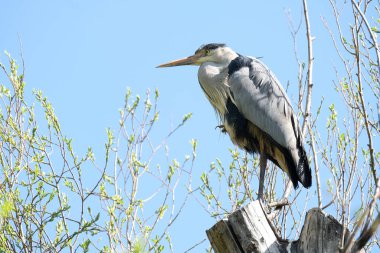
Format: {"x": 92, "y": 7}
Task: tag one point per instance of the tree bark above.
{"x": 247, "y": 230}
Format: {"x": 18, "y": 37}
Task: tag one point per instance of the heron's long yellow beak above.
{"x": 191, "y": 60}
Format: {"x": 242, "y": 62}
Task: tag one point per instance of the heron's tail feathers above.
{"x": 297, "y": 166}
{"x": 303, "y": 168}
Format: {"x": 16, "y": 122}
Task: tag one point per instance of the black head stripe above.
{"x": 210, "y": 46}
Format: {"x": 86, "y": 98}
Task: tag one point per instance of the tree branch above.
{"x": 309, "y": 68}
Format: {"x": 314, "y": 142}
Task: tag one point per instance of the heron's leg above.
{"x": 263, "y": 167}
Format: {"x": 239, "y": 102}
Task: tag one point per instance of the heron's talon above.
{"x": 279, "y": 204}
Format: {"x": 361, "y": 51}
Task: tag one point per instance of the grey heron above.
{"x": 253, "y": 108}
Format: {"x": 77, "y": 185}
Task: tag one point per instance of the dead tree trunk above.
{"x": 247, "y": 230}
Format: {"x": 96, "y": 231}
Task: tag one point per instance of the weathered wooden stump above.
{"x": 247, "y": 230}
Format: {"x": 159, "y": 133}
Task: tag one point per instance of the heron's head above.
{"x": 214, "y": 52}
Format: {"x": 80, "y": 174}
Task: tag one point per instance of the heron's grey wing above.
{"x": 260, "y": 98}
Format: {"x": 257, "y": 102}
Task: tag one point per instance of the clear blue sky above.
{"x": 84, "y": 54}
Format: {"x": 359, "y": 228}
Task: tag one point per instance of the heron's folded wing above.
{"x": 261, "y": 99}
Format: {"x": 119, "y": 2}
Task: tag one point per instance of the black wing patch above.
{"x": 238, "y": 63}
{"x": 241, "y": 62}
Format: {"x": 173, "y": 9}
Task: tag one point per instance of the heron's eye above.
{"x": 207, "y": 52}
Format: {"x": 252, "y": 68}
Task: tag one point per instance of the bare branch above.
{"x": 309, "y": 68}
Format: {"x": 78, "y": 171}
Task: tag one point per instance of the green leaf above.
{"x": 6, "y": 208}
{"x": 374, "y": 29}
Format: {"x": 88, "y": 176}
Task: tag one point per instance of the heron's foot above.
{"x": 277, "y": 205}
{"x": 270, "y": 217}
{"x": 270, "y": 214}
{"x": 222, "y": 128}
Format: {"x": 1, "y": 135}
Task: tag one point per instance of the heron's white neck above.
{"x": 223, "y": 56}
{"x": 212, "y": 76}
{"x": 213, "y": 80}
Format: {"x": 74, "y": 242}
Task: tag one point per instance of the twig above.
{"x": 373, "y": 37}
{"x": 197, "y": 244}
{"x": 370, "y": 145}
{"x": 366, "y": 233}
{"x": 315, "y": 158}
{"x": 309, "y": 69}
